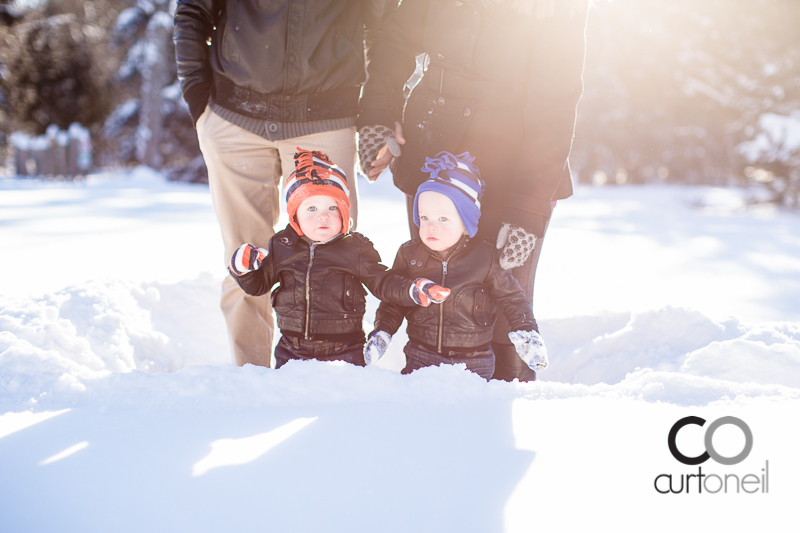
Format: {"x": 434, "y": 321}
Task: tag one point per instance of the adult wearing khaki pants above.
{"x": 262, "y": 78}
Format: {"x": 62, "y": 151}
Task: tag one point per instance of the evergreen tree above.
{"x": 674, "y": 87}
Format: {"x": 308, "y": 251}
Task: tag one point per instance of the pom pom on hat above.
{"x": 315, "y": 174}
{"x": 457, "y": 178}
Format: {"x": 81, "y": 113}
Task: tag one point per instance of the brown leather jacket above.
{"x": 464, "y": 322}
{"x": 320, "y": 294}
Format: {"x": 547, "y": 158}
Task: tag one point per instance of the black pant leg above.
{"x": 508, "y": 365}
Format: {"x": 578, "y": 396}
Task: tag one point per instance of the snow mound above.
{"x": 57, "y": 341}
{"x": 606, "y": 348}
{"x": 120, "y": 342}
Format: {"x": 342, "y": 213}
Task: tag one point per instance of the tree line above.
{"x": 676, "y": 91}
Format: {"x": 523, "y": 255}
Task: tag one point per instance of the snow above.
{"x": 120, "y": 410}
{"x": 779, "y": 139}
{"x": 134, "y": 61}
{"x": 117, "y": 120}
{"x": 126, "y": 18}
{"x": 160, "y": 20}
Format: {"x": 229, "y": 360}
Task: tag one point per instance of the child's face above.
{"x": 440, "y": 226}
{"x": 319, "y": 217}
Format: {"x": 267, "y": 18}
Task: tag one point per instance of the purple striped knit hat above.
{"x": 457, "y": 178}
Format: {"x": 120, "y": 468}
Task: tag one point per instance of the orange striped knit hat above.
{"x": 315, "y": 174}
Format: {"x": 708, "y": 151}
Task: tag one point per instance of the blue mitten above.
{"x": 530, "y": 348}
{"x": 377, "y": 344}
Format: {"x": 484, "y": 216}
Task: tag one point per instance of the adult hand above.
{"x": 530, "y": 348}
{"x": 385, "y": 154}
{"x": 247, "y": 258}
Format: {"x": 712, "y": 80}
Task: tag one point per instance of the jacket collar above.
{"x": 291, "y": 236}
{"x": 423, "y": 252}
{"x": 335, "y": 238}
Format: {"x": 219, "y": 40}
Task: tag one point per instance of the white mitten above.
{"x": 377, "y": 344}
{"x": 247, "y": 258}
{"x": 530, "y": 348}
{"x": 517, "y": 245}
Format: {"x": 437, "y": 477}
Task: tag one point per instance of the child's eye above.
{"x": 312, "y": 208}
{"x": 443, "y": 219}
{"x": 423, "y": 218}
{"x": 334, "y": 207}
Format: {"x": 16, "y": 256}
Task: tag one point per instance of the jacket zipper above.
{"x": 449, "y": 257}
{"x": 308, "y": 290}
{"x": 312, "y": 246}
{"x": 441, "y": 310}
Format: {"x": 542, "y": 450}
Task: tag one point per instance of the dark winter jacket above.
{"x": 321, "y": 296}
{"x": 464, "y": 322}
{"x": 275, "y": 60}
{"x": 503, "y": 83}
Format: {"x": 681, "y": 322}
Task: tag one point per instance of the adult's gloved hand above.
{"x": 377, "y": 344}
{"x": 377, "y": 147}
{"x": 247, "y": 258}
{"x": 423, "y": 291}
{"x": 530, "y": 348}
{"x": 517, "y": 245}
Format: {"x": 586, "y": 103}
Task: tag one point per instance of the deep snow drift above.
{"x": 122, "y": 412}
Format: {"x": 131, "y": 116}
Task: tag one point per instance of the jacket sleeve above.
{"x": 389, "y": 316}
{"x": 391, "y": 59}
{"x": 504, "y": 288}
{"x": 384, "y": 284}
{"x": 555, "y": 85}
{"x": 193, "y": 29}
{"x": 260, "y": 281}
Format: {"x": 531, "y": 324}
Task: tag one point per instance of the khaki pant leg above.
{"x": 244, "y": 174}
{"x": 339, "y": 145}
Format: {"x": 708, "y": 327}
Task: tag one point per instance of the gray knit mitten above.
{"x": 370, "y": 140}
{"x": 517, "y": 245}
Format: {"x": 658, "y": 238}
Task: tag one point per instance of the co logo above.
{"x": 709, "y": 445}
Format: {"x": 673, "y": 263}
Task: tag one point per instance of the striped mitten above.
{"x": 247, "y": 258}
{"x": 424, "y": 291}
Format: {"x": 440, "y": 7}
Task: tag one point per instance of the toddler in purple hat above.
{"x": 447, "y": 209}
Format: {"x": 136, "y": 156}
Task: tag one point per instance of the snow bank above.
{"x": 119, "y": 410}
{"x": 148, "y": 320}
{"x": 60, "y": 341}
{"x": 80, "y": 342}
{"x": 672, "y": 340}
